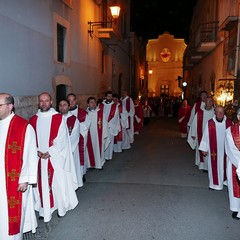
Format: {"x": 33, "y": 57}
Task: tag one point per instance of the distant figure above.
{"x": 183, "y": 117}
{"x": 138, "y": 117}
{"x": 146, "y": 113}
{"x": 18, "y": 171}
{"x": 212, "y": 147}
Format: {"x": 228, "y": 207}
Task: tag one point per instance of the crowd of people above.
{"x": 216, "y": 141}
{"x": 45, "y": 160}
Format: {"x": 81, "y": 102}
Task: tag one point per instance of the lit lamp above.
{"x": 115, "y": 11}
{"x": 150, "y": 71}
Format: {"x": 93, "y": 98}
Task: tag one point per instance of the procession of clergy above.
{"x": 216, "y": 142}
{"x": 46, "y": 159}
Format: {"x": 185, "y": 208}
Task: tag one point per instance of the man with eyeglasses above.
{"x": 212, "y": 147}
{"x": 18, "y": 171}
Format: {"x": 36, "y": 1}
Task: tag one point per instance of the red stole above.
{"x": 235, "y": 181}
{"x": 70, "y": 123}
{"x": 112, "y": 112}
{"x": 197, "y": 106}
{"x": 13, "y": 165}
{"x": 55, "y": 124}
{"x": 199, "y": 130}
{"x": 89, "y": 140}
{"x": 118, "y": 138}
{"x": 213, "y": 150}
{"x": 81, "y": 117}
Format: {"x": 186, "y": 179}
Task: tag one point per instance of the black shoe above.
{"x": 84, "y": 178}
{"x": 234, "y": 215}
{"x": 40, "y": 218}
{"x": 205, "y": 171}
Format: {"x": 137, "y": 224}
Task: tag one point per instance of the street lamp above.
{"x": 115, "y": 11}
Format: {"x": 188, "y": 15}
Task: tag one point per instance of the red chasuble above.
{"x": 55, "y": 124}
{"x": 235, "y": 181}
{"x": 89, "y": 140}
{"x": 118, "y": 138}
{"x": 13, "y": 165}
{"x": 199, "y": 130}
{"x": 197, "y": 106}
{"x": 213, "y": 149}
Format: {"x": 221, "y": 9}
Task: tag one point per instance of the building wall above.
{"x": 214, "y": 70}
{"x": 28, "y": 51}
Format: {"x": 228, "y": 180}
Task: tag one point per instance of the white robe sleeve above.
{"x": 84, "y": 126}
{"x": 192, "y": 116}
{"x": 132, "y": 109}
{"x": 114, "y": 124}
{"x": 231, "y": 150}
{"x": 30, "y": 158}
{"x": 193, "y": 133}
{"x": 204, "y": 145}
{"x": 75, "y": 134}
{"x": 124, "y": 118}
{"x": 61, "y": 148}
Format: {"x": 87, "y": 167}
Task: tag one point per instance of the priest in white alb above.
{"x": 74, "y": 132}
{"x": 18, "y": 171}
{"x": 232, "y": 147}
{"x": 212, "y": 147}
{"x": 196, "y": 130}
{"x": 110, "y": 109}
{"x": 98, "y": 137}
{"x": 128, "y": 112}
{"x": 56, "y": 191}
{"x": 199, "y": 104}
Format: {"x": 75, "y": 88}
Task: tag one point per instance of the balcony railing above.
{"x": 206, "y": 36}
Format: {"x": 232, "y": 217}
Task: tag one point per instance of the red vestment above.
{"x": 13, "y": 165}
{"x": 139, "y": 114}
{"x": 235, "y": 180}
{"x": 55, "y": 124}
{"x": 183, "y": 118}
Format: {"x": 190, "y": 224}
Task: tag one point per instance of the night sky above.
{"x": 150, "y": 18}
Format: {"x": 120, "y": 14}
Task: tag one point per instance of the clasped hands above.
{"x": 45, "y": 155}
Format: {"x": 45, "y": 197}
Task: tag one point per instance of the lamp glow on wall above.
{"x": 225, "y": 93}
{"x": 115, "y": 11}
{"x": 150, "y": 71}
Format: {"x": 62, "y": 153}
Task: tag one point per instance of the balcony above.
{"x": 206, "y": 37}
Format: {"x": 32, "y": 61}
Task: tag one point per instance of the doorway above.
{"x": 61, "y": 93}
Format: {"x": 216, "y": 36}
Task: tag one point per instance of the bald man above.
{"x": 18, "y": 171}
{"x": 56, "y": 191}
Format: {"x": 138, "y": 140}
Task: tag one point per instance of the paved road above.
{"x": 152, "y": 191}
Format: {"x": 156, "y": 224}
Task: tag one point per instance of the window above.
{"x": 61, "y": 39}
{"x": 61, "y": 34}
{"x": 164, "y": 90}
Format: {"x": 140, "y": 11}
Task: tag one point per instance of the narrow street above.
{"x": 152, "y": 191}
